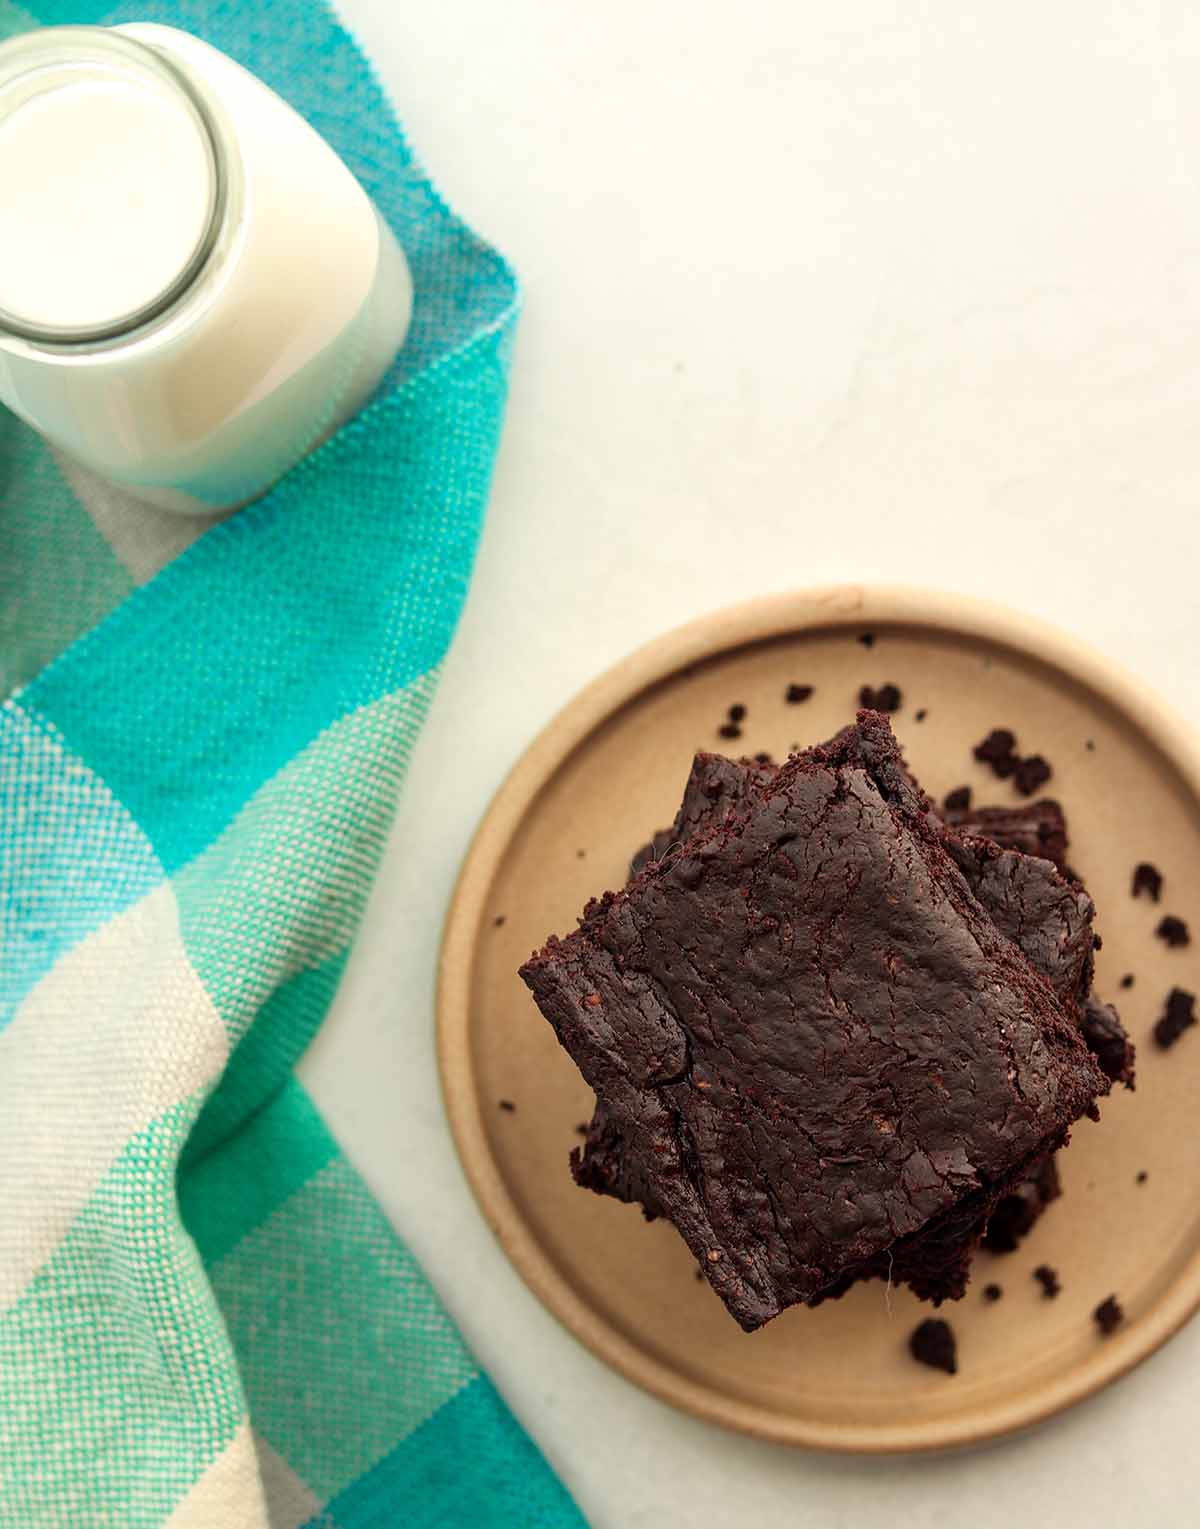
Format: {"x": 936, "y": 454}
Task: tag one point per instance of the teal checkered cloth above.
{"x": 204, "y": 1319}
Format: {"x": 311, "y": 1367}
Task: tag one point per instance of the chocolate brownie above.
{"x": 809, "y": 1037}
{"x": 1047, "y": 915}
{"x": 1018, "y": 1210}
{"x": 1036, "y": 829}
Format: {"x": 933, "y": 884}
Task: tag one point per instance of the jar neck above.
{"x": 55, "y": 58}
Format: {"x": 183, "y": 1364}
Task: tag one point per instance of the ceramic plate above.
{"x": 608, "y": 771}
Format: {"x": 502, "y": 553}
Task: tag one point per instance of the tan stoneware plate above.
{"x": 593, "y": 786}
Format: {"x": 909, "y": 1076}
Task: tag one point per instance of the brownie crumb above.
{"x": 1031, "y": 775}
{"x": 998, "y": 750}
{"x": 699, "y": 1273}
{"x": 1178, "y": 1016}
{"x": 737, "y": 712}
{"x": 1174, "y": 931}
{"x": 581, "y": 854}
{"x": 729, "y": 730}
{"x": 1142, "y": 1176}
{"x": 1127, "y": 980}
{"x": 1047, "y": 1278}
{"x": 1108, "y": 1315}
{"x": 762, "y": 757}
{"x": 992, "y": 1293}
{"x": 1147, "y": 878}
{"x": 886, "y": 698}
{"x": 1090, "y": 746}
{"x": 958, "y": 800}
{"x": 932, "y": 1343}
{"x": 797, "y": 693}
{"x": 867, "y": 639}
{"x": 508, "y": 1106}
{"x": 582, "y": 1128}
{"x": 921, "y": 715}
{"x": 499, "y": 921}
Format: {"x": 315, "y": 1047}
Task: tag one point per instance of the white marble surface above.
{"x": 814, "y": 291}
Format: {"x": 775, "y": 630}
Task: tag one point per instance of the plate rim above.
{"x": 762, "y": 619}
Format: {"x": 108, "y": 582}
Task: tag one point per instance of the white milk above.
{"x": 194, "y": 290}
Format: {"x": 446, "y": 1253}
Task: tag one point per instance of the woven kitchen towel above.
{"x": 204, "y": 1320}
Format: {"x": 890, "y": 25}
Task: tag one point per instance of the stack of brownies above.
{"x": 833, "y": 1033}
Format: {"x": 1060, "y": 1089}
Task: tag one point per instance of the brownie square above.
{"x": 810, "y": 1038}
{"x": 1044, "y": 912}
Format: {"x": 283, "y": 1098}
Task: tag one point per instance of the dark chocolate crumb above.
{"x": 499, "y": 920}
{"x": 1178, "y": 1016}
{"x": 762, "y": 757}
{"x": 1097, "y": 942}
{"x": 797, "y": 693}
{"x": 992, "y": 1292}
{"x": 921, "y": 715}
{"x": 508, "y": 1106}
{"x": 737, "y": 712}
{"x": 886, "y": 698}
{"x": 582, "y": 1128}
{"x": 1174, "y": 931}
{"x": 1127, "y": 980}
{"x": 1090, "y": 745}
{"x": 1108, "y": 1315}
{"x": 729, "y": 730}
{"x": 998, "y": 750}
{"x": 932, "y": 1343}
{"x": 1047, "y": 1278}
{"x": 699, "y": 1273}
{"x": 1142, "y": 1176}
{"x": 1147, "y": 878}
{"x": 867, "y": 639}
{"x": 1032, "y": 774}
{"x": 958, "y": 800}
{"x": 581, "y": 854}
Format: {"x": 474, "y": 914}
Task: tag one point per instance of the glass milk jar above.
{"x": 194, "y": 289}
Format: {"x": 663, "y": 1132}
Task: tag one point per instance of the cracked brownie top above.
{"x": 810, "y": 1035}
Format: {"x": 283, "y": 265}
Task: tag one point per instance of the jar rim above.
{"x": 69, "y": 47}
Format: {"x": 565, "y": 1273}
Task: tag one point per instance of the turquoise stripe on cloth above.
{"x": 204, "y": 1318}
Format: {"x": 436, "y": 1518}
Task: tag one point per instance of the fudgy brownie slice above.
{"x": 1047, "y": 914}
{"x": 811, "y": 1039}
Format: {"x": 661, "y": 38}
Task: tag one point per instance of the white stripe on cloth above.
{"x": 289, "y": 1502}
{"x": 119, "y": 1030}
{"x": 229, "y": 1495}
{"x": 145, "y": 539}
